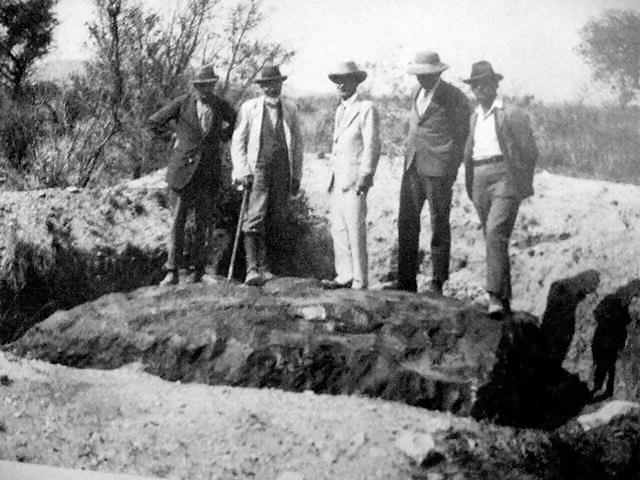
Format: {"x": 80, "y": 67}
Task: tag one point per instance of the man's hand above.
{"x": 364, "y": 184}
{"x": 295, "y": 186}
{"x": 245, "y": 182}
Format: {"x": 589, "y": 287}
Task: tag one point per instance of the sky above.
{"x": 531, "y": 42}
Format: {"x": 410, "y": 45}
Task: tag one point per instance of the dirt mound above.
{"x": 61, "y": 248}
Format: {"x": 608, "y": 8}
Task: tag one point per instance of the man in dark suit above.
{"x": 500, "y": 156}
{"x": 200, "y": 121}
{"x": 438, "y": 127}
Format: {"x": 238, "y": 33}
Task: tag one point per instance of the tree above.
{"x": 238, "y": 49}
{"x": 26, "y": 31}
{"x": 611, "y": 46}
{"x": 156, "y": 55}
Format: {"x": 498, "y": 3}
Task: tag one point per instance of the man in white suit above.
{"x": 354, "y": 158}
{"x": 266, "y": 152}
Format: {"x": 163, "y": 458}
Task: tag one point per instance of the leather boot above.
{"x": 171, "y": 278}
{"x": 251, "y": 249}
{"x": 263, "y": 266}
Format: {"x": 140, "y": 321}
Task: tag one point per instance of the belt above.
{"x": 487, "y": 161}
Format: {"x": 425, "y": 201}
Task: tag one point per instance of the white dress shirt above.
{"x": 271, "y": 106}
{"x": 485, "y": 137}
{"x": 205, "y": 115}
{"x": 423, "y": 99}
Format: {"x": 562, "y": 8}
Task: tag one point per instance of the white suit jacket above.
{"x": 356, "y": 144}
{"x": 245, "y": 143}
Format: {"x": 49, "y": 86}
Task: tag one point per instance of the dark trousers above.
{"x": 198, "y": 195}
{"x": 497, "y": 211}
{"x": 437, "y": 191}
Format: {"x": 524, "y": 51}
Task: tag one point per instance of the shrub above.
{"x": 588, "y": 141}
{"x": 21, "y": 126}
{"x": 573, "y": 139}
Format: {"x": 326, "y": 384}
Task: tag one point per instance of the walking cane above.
{"x": 243, "y": 207}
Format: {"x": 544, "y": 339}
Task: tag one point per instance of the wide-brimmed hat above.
{"x": 270, "y": 73}
{"x": 482, "y": 69}
{"x": 426, "y": 63}
{"x": 347, "y": 69}
{"x": 206, "y": 74}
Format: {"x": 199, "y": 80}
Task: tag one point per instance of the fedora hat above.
{"x": 347, "y": 69}
{"x": 270, "y": 73}
{"x": 482, "y": 69}
{"x": 426, "y": 63}
{"x": 206, "y": 74}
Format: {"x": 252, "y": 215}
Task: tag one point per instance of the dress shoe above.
{"x": 392, "y": 285}
{"x": 506, "y": 305}
{"x": 334, "y": 284}
{"x": 254, "y": 278}
{"x": 202, "y": 277}
{"x": 171, "y": 278}
{"x": 496, "y": 307}
{"x": 435, "y": 287}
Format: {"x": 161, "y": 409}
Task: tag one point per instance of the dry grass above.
{"x": 574, "y": 139}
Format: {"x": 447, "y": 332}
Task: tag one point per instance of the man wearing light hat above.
{"x": 200, "y": 121}
{"x": 438, "y": 127}
{"x": 354, "y": 158}
{"x": 266, "y": 152}
{"x": 500, "y": 156}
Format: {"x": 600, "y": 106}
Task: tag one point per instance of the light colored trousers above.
{"x": 349, "y": 232}
{"x": 497, "y": 211}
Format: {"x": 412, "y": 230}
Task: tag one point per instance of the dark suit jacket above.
{"x": 436, "y": 138}
{"x": 193, "y": 149}
{"x": 518, "y": 148}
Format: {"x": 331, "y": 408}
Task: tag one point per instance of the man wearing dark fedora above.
{"x": 200, "y": 121}
{"x": 500, "y": 156}
{"x": 266, "y": 152}
{"x": 438, "y": 127}
{"x": 354, "y": 158}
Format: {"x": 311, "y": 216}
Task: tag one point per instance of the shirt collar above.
{"x": 349, "y": 101}
{"x": 497, "y": 104}
{"x": 425, "y": 93}
{"x": 271, "y": 102}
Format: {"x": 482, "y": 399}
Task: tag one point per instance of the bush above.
{"x": 21, "y": 125}
{"x": 588, "y": 141}
{"x": 573, "y": 139}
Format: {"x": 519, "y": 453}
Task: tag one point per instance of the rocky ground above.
{"x": 131, "y": 422}
{"x": 128, "y": 421}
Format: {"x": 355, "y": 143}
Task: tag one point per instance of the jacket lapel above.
{"x": 191, "y": 115}
{"x": 348, "y": 117}
{"x": 468, "y": 148}
{"x": 499, "y": 116}
{"x": 256, "y": 132}
{"x": 433, "y": 104}
{"x": 286, "y": 123}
